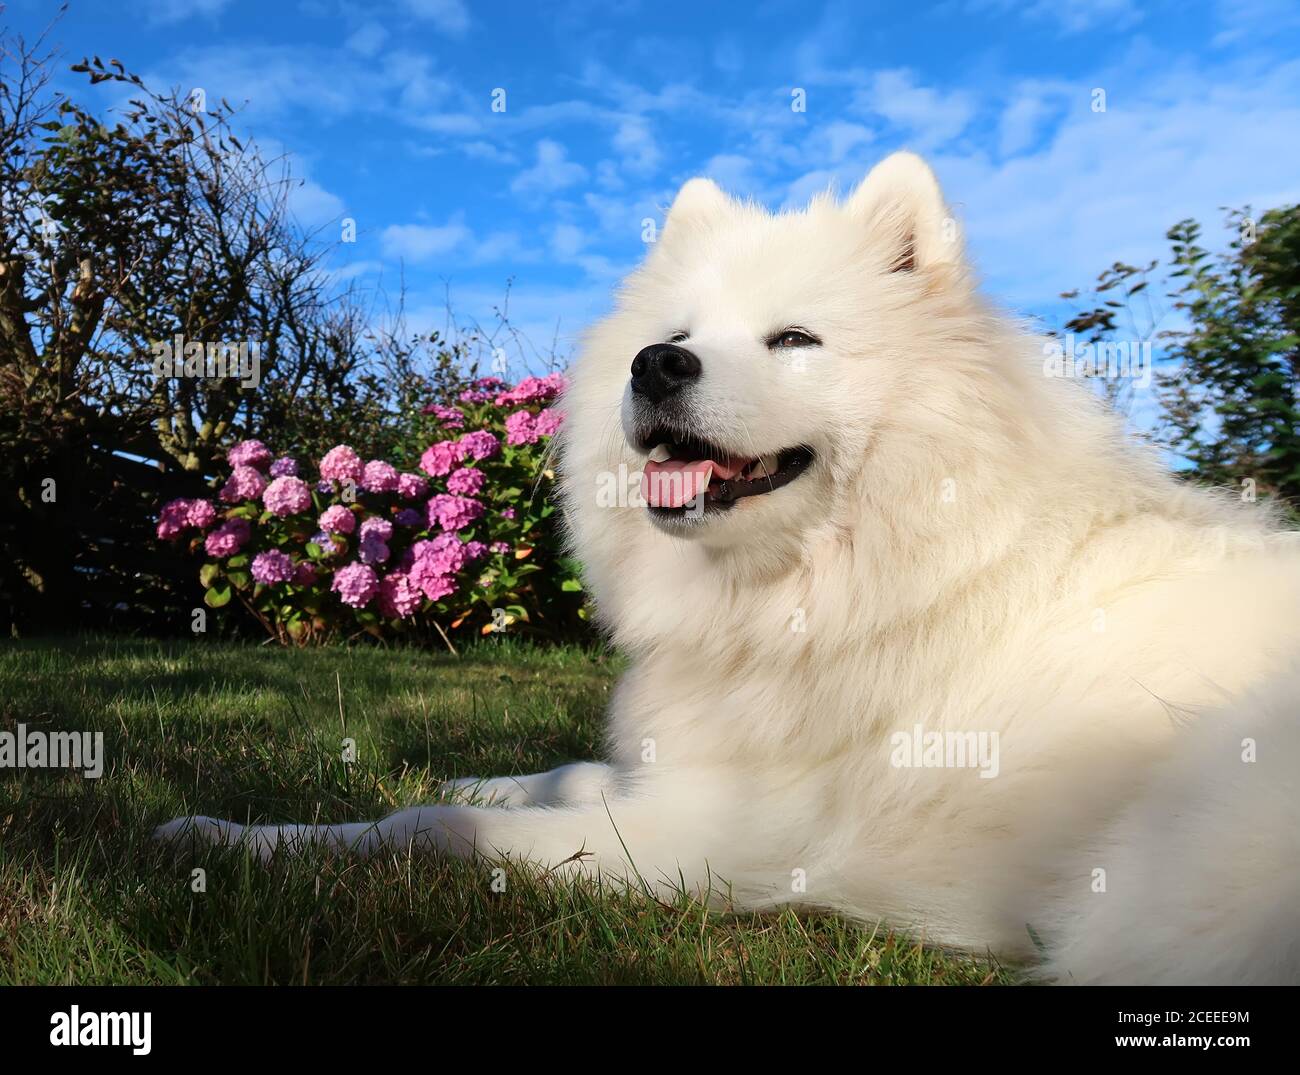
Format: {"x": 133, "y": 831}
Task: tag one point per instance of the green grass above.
{"x": 255, "y": 733}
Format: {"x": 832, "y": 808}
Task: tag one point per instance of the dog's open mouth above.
{"x": 680, "y": 470}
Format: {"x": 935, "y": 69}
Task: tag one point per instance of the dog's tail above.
{"x": 1199, "y": 881}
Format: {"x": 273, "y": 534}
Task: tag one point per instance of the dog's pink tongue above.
{"x": 674, "y": 483}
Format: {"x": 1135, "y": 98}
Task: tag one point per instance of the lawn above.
{"x": 256, "y": 733}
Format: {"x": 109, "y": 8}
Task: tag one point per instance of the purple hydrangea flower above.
{"x": 272, "y": 566}
{"x": 284, "y": 467}
{"x": 408, "y": 517}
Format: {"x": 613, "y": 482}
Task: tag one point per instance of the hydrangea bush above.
{"x": 458, "y": 533}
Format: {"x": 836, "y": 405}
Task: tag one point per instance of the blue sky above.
{"x": 386, "y": 112}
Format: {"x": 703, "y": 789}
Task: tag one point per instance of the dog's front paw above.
{"x": 200, "y": 829}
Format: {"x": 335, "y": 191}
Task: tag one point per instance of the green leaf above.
{"x": 217, "y": 596}
{"x": 207, "y": 573}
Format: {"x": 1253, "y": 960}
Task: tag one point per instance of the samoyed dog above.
{"x": 916, "y": 633}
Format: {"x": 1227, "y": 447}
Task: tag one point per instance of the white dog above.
{"x": 916, "y": 633}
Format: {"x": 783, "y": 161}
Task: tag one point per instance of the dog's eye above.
{"x": 678, "y": 337}
{"x": 792, "y": 337}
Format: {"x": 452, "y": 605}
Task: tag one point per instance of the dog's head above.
{"x": 732, "y": 397}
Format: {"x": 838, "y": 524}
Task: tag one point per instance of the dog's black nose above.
{"x": 662, "y": 369}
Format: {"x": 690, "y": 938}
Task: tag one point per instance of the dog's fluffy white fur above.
{"x": 976, "y": 548}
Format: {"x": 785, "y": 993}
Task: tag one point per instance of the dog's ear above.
{"x": 699, "y": 202}
{"x": 901, "y": 203}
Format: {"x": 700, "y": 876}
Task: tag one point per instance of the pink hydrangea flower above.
{"x": 411, "y": 486}
{"x": 173, "y": 518}
{"x": 284, "y": 467}
{"x": 443, "y": 555}
{"x": 202, "y": 514}
{"x": 481, "y": 390}
{"x": 398, "y": 596}
{"x": 249, "y": 453}
{"x": 500, "y": 547}
{"x": 245, "y": 483}
{"x": 228, "y": 538}
{"x": 342, "y": 464}
{"x": 448, "y": 416}
{"x": 532, "y": 390}
{"x": 453, "y": 512}
{"x": 430, "y": 583}
{"x": 440, "y": 458}
{"x": 509, "y": 513}
{"x": 287, "y": 496}
{"x": 432, "y": 568}
{"x": 548, "y": 422}
{"x": 356, "y": 584}
{"x": 337, "y": 520}
{"x": 379, "y": 477}
{"x": 475, "y": 550}
{"x": 465, "y": 482}
{"x": 272, "y": 566}
{"x": 176, "y": 515}
{"x": 521, "y": 428}
{"x": 480, "y": 444}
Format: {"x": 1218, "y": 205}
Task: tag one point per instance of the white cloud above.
{"x": 368, "y": 39}
{"x": 553, "y": 171}
{"x": 312, "y": 205}
{"x": 423, "y": 242}
{"x": 567, "y": 240}
{"x": 1106, "y": 186}
{"x": 929, "y": 116}
{"x": 732, "y": 172}
{"x": 449, "y": 16}
{"x": 636, "y": 143}
{"x": 1240, "y": 19}
{"x": 836, "y": 140}
{"x": 1070, "y": 16}
{"x": 166, "y": 12}
{"x": 1021, "y": 122}
{"x": 486, "y": 151}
